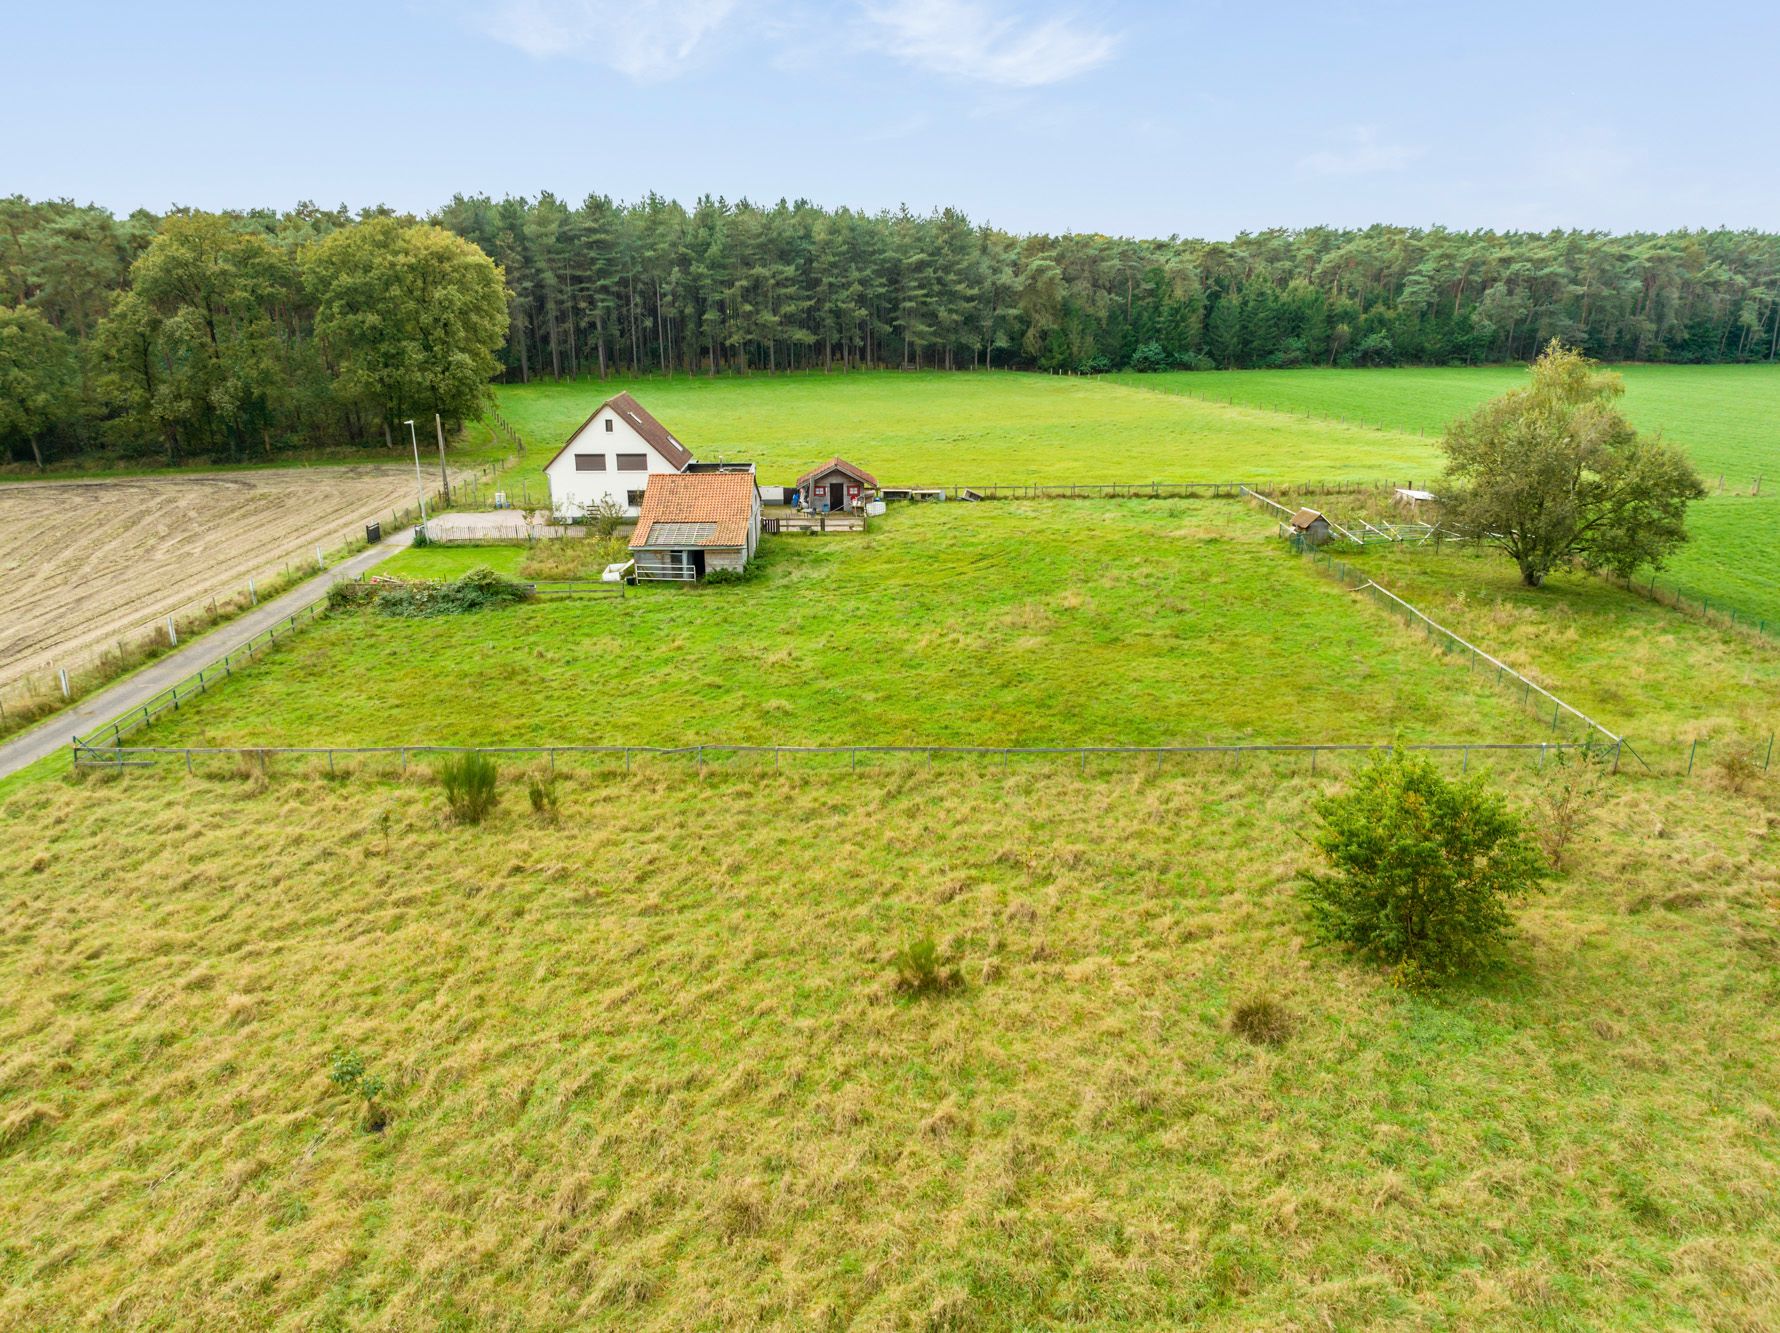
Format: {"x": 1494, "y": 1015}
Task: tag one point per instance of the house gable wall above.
{"x": 573, "y": 492}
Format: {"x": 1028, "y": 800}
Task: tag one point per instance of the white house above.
{"x": 611, "y": 456}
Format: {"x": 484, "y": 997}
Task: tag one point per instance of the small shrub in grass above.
{"x": 718, "y": 577}
{"x": 919, "y": 970}
{"x": 604, "y": 516}
{"x": 542, "y": 791}
{"x": 1422, "y": 870}
{"x": 1736, "y": 771}
{"x": 1565, "y": 802}
{"x": 470, "y": 790}
{"x": 346, "y": 1071}
{"x": 1263, "y": 1020}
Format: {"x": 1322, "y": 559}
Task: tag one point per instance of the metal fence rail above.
{"x": 701, "y": 755}
{"x": 576, "y": 588}
{"x": 170, "y": 699}
{"x": 1138, "y": 490}
{"x": 1360, "y": 582}
{"x": 1499, "y": 670}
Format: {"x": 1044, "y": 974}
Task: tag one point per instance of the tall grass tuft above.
{"x": 469, "y": 780}
{"x": 542, "y": 791}
{"x": 920, "y": 971}
{"x": 1263, "y": 1020}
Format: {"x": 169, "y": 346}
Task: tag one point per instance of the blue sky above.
{"x": 1133, "y": 118}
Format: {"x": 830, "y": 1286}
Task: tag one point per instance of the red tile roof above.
{"x": 723, "y": 499}
{"x": 637, "y": 416}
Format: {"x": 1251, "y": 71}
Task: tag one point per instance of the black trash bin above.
{"x": 373, "y": 533}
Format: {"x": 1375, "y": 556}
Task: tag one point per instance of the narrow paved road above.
{"x": 97, "y": 709}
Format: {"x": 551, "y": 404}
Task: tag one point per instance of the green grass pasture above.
{"x": 1727, "y": 418}
{"x": 1013, "y": 623}
{"x": 1723, "y": 416}
{"x": 1639, "y": 668}
{"x": 938, "y": 429}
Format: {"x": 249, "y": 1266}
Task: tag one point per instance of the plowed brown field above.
{"x": 85, "y": 563}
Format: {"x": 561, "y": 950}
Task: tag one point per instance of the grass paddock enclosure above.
{"x": 1722, "y": 416}
{"x": 1656, "y": 677}
{"x": 1014, "y": 623}
{"x": 1286, "y": 426}
{"x": 939, "y": 429}
{"x": 642, "y": 1072}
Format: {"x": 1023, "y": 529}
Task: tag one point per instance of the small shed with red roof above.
{"x": 835, "y": 487}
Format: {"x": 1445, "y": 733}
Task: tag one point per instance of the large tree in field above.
{"x": 195, "y": 344}
{"x": 37, "y": 378}
{"x": 410, "y": 317}
{"x": 1554, "y": 472}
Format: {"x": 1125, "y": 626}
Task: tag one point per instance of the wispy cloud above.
{"x": 1360, "y": 153}
{"x": 649, "y": 40}
{"x": 971, "y": 40}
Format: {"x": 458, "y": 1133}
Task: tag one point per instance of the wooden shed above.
{"x": 1311, "y": 526}
{"x": 836, "y": 487}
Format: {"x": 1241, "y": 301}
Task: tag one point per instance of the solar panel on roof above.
{"x": 680, "y": 534}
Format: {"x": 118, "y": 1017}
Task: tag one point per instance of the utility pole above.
{"x": 444, "y": 476}
{"x": 419, "y": 486}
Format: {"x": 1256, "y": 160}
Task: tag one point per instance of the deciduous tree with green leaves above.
{"x": 1554, "y": 472}
{"x": 37, "y": 378}
{"x": 410, "y": 317}
{"x": 1422, "y": 871}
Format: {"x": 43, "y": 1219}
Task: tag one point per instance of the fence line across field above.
{"x": 169, "y": 699}
{"x": 141, "y": 756}
{"x": 1678, "y": 598}
{"x": 1137, "y": 490}
{"x": 1358, "y": 582}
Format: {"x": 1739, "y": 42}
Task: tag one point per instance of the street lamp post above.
{"x": 419, "y": 486}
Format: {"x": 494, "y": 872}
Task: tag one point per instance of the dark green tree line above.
{"x": 723, "y": 287}
{"x": 237, "y": 335}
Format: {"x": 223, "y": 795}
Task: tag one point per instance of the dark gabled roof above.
{"x": 658, "y": 436}
{"x": 701, "y": 509}
{"x": 858, "y": 474}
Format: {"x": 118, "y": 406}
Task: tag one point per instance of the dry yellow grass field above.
{"x": 647, "y": 1067}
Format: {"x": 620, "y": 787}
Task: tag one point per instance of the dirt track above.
{"x": 85, "y": 563}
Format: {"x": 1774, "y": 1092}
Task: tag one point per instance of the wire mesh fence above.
{"x": 347, "y": 760}
{"x": 1133, "y": 490}
{"x": 1531, "y": 694}
{"x": 181, "y": 693}
{"x": 1719, "y": 611}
